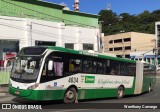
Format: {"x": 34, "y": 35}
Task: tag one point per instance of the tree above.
{"x": 143, "y": 22}
{"x": 109, "y": 19}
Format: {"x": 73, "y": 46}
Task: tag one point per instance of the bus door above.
{"x": 52, "y": 70}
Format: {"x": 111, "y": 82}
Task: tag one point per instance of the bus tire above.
{"x": 120, "y": 92}
{"x": 70, "y": 95}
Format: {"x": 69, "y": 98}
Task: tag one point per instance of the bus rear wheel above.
{"x": 120, "y": 92}
{"x": 70, "y": 95}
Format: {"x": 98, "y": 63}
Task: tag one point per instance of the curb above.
{"x": 4, "y": 94}
{"x": 3, "y": 89}
{"x": 4, "y": 85}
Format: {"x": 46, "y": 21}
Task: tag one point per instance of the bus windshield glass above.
{"x": 32, "y": 51}
{"x": 26, "y": 69}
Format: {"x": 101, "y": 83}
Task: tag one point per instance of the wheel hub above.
{"x": 70, "y": 95}
{"x": 120, "y": 92}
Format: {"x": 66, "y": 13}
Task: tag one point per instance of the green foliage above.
{"x": 143, "y": 22}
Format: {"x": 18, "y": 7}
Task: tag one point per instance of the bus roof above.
{"x": 100, "y": 55}
{"x": 90, "y": 54}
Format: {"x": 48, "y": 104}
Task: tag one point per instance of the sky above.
{"x": 118, "y": 6}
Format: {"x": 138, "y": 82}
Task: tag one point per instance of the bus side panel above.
{"x": 146, "y": 83}
{"x": 86, "y": 93}
{"x": 38, "y": 94}
{"x": 130, "y": 91}
{"x": 96, "y": 93}
{"x": 102, "y": 87}
{"x": 47, "y": 95}
{"x": 149, "y": 78}
{"x": 109, "y": 92}
{"x": 102, "y": 92}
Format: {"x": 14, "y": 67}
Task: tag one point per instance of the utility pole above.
{"x": 76, "y": 5}
{"x": 100, "y": 40}
{"x": 155, "y": 52}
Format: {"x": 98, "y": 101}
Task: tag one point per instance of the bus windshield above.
{"x": 26, "y": 69}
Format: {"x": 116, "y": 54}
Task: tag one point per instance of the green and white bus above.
{"x": 55, "y": 73}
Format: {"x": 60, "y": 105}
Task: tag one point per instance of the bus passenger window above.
{"x": 94, "y": 67}
{"x": 108, "y": 63}
{"x": 43, "y": 72}
{"x": 99, "y": 67}
{"x": 89, "y": 68}
{"x": 113, "y": 71}
{"x": 77, "y": 68}
{"x": 71, "y": 66}
{"x": 58, "y": 68}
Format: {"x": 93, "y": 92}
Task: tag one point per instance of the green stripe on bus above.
{"x": 59, "y": 94}
{"x": 38, "y": 94}
{"x": 147, "y": 81}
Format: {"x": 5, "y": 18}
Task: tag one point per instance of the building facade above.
{"x": 157, "y": 31}
{"x": 124, "y": 43}
{"x": 32, "y": 22}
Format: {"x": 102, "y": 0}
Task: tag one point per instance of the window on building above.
{"x": 69, "y": 45}
{"x": 128, "y": 48}
{"x": 127, "y": 56}
{"x": 158, "y": 32}
{"x": 118, "y": 41}
{"x": 111, "y": 42}
{"x": 110, "y": 49}
{"x": 158, "y": 27}
{"x": 44, "y": 43}
{"x": 119, "y": 56}
{"x": 127, "y": 39}
{"x": 88, "y": 46}
{"x": 117, "y": 48}
{"x": 8, "y": 49}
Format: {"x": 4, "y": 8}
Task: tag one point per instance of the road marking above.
{"x": 2, "y": 94}
{"x": 7, "y": 98}
{"x": 73, "y": 110}
{"x": 156, "y": 94}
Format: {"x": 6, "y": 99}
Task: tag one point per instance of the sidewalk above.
{"x": 3, "y": 90}
{"x": 158, "y": 72}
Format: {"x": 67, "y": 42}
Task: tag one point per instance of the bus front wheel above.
{"x": 70, "y": 95}
{"x": 120, "y": 92}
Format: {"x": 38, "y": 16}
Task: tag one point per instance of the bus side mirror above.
{"x": 50, "y": 65}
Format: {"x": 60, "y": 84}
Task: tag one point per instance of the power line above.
{"x": 42, "y": 32}
{"x": 50, "y": 15}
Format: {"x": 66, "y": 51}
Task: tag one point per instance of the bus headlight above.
{"x": 33, "y": 86}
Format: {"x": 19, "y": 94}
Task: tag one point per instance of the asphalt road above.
{"x": 108, "y": 105}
